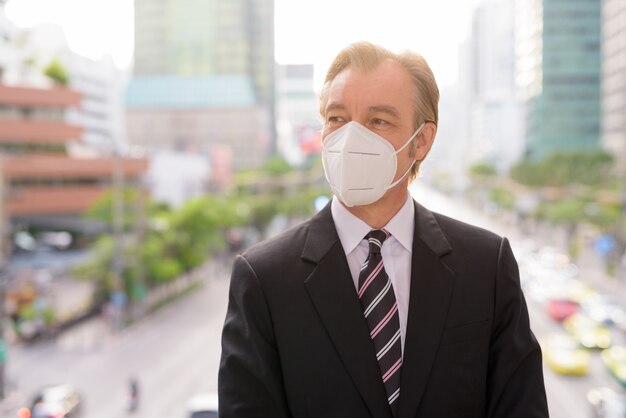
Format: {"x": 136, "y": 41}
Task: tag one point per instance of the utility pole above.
{"x": 139, "y": 288}
{"x": 119, "y": 297}
{"x": 3, "y": 280}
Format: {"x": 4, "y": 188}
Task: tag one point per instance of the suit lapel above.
{"x": 332, "y": 291}
{"x": 432, "y": 283}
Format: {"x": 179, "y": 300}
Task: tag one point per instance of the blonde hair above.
{"x": 366, "y": 57}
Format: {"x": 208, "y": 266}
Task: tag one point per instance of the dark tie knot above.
{"x": 376, "y": 237}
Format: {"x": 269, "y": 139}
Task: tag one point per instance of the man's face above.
{"x": 379, "y": 100}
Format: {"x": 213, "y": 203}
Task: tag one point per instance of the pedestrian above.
{"x": 376, "y": 306}
{"x": 133, "y": 394}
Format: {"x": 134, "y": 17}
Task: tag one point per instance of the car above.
{"x": 203, "y": 405}
{"x": 579, "y": 290}
{"x": 606, "y": 403}
{"x": 565, "y": 301}
{"x": 614, "y": 359}
{"x": 605, "y": 309}
{"x": 560, "y": 309}
{"x": 57, "y": 401}
{"x": 48, "y": 410}
{"x": 564, "y": 355}
{"x": 588, "y": 333}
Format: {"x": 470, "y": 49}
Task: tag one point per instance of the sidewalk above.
{"x": 590, "y": 265}
{"x": 591, "y": 268}
{"x": 92, "y": 333}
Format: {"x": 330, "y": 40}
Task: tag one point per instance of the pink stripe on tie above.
{"x": 385, "y": 320}
{"x": 392, "y": 370}
{"x": 371, "y": 278}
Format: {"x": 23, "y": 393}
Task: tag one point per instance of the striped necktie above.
{"x": 381, "y": 312}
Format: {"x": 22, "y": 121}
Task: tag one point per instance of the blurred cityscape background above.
{"x": 130, "y": 177}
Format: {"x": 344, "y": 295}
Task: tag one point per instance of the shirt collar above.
{"x": 351, "y": 229}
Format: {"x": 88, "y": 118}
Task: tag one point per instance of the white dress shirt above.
{"x": 396, "y": 250}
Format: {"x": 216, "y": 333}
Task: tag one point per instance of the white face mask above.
{"x": 360, "y": 165}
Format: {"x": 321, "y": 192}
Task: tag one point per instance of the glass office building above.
{"x": 614, "y": 79}
{"x": 558, "y": 55}
{"x": 206, "y": 38}
{"x": 204, "y": 78}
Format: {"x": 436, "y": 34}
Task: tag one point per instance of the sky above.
{"x": 306, "y": 31}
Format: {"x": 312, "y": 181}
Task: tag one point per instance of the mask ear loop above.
{"x": 395, "y": 183}
{"x": 410, "y": 139}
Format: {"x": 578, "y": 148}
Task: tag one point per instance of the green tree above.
{"x": 483, "y": 169}
{"x": 97, "y": 268}
{"x": 56, "y": 71}
{"x": 568, "y": 213}
{"x": 565, "y": 168}
{"x": 199, "y": 227}
{"x": 276, "y": 166}
{"x": 502, "y": 197}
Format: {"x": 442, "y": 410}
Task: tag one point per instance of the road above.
{"x": 567, "y": 395}
{"x": 175, "y": 352}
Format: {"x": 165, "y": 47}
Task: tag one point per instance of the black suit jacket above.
{"x": 295, "y": 342}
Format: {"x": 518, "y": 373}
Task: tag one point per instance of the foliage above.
{"x": 276, "y": 189}
{"x": 502, "y": 197}
{"x": 604, "y": 215}
{"x": 198, "y": 228}
{"x": 57, "y": 72}
{"x": 97, "y": 268}
{"x": 178, "y": 240}
{"x": 102, "y": 210}
{"x": 567, "y": 211}
{"x": 565, "y": 168}
{"x": 276, "y": 166}
{"x": 483, "y": 170}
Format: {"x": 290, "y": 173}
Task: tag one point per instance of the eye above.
{"x": 379, "y": 122}
{"x": 334, "y": 119}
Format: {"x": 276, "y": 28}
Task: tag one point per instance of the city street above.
{"x": 175, "y": 352}
{"x": 567, "y": 395}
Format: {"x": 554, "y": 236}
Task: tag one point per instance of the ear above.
{"x": 424, "y": 140}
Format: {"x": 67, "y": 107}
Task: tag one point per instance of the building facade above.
{"x": 558, "y": 72}
{"x": 298, "y": 121}
{"x": 496, "y": 130}
{"x": 198, "y": 115}
{"x": 57, "y": 142}
{"x": 43, "y": 185}
{"x": 99, "y": 82}
{"x": 196, "y": 45}
{"x": 614, "y": 78}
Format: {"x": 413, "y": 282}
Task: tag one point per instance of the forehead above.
{"x": 387, "y": 85}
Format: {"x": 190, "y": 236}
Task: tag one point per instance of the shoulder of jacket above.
{"x": 280, "y": 245}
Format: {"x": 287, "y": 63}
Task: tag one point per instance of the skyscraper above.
{"x": 495, "y": 132}
{"x": 206, "y": 38}
{"x": 614, "y": 78}
{"x": 558, "y": 57}
{"x": 197, "y": 60}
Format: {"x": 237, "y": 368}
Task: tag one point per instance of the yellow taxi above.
{"x": 614, "y": 359}
{"x": 564, "y": 355}
{"x": 588, "y": 333}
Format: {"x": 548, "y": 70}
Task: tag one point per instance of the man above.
{"x": 423, "y": 317}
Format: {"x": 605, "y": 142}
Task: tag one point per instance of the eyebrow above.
{"x": 335, "y": 106}
{"x": 379, "y": 108}
{"x": 390, "y": 110}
